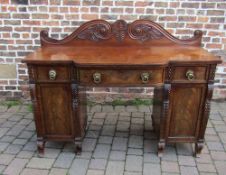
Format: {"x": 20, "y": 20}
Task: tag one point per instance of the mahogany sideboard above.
{"x": 123, "y": 54}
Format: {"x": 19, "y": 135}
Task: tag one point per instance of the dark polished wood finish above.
{"x": 141, "y": 53}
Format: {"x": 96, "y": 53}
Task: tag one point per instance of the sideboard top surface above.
{"x": 121, "y": 55}
{"x": 141, "y": 42}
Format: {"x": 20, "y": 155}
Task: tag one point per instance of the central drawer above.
{"x": 121, "y": 76}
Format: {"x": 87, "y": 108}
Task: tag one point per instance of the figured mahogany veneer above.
{"x": 121, "y": 77}
{"x": 141, "y": 53}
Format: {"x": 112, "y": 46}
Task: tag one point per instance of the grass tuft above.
{"x": 120, "y": 102}
{"x": 30, "y": 107}
{"x": 11, "y": 103}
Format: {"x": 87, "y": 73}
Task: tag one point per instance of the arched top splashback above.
{"x": 101, "y": 32}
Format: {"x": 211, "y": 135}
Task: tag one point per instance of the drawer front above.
{"x": 53, "y": 73}
{"x": 121, "y": 77}
{"x": 189, "y": 73}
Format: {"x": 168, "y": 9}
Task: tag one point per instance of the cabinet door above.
{"x": 56, "y": 109}
{"x": 186, "y": 104}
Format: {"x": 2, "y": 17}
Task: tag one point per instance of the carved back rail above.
{"x": 101, "y": 32}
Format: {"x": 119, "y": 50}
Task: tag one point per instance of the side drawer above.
{"x": 53, "y": 73}
{"x": 189, "y": 73}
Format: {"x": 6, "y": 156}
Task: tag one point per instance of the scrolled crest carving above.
{"x": 96, "y": 32}
{"x": 143, "y": 32}
{"x": 139, "y": 30}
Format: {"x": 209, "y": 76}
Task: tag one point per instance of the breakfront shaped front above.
{"x": 142, "y": 54}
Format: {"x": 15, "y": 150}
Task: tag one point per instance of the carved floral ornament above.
{"x": 140, "y": 30}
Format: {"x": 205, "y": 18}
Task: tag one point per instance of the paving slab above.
{"x": 150, "y": 168}
{"x": 79, "y": 167}
{"x": 64, "y": 160}
{"x": 16, "y": 166}
{"x": 171, "y": 167}
{"x": 119, "y": 144}
{"x": 40, "y": 163}
{"x": 99, "y": 164}
{"x": 5, "y": 159}
{"x": 187, "y": 170}
{"x": 115, "y": 168}
{"x": 221, "y": 167}
{"x": 101, "y": 151}
{"x": 134, "y": 163}
{"x": 30, "y": 171}
{"x": 58, "y": 171}
{"x": 95, "y": 172}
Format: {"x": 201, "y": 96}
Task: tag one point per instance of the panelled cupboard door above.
{"x": 56, "y": 110}
{"x": 186, "y": 102}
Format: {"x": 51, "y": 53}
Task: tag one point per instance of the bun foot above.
{"x": 198, "y": 148}
{"x": 41, "y": 147}
{"x": 161, "y": 147}
{"x": 78, "y": 146}
{"x": 78, "y": 149}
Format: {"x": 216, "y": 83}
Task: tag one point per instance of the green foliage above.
{"x": 11, "y": 103}
{"x": 90, "y": 103}
{"x": 30, "y": 108}
{"x": 138, "y": 102}
{"x": 120, "y": 102}
{"x": 117, "y": 102}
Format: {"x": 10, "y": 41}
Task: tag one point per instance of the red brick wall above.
{"x": 22, "y": 20}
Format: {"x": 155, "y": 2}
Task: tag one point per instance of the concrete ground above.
{"x": 119, "y": 141}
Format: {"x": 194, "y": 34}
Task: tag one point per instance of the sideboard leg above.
{"x": 198, "y": 148}
{"x": 40, "y": 146}
{"x": 78, "y": 146}
{"x": 161, "y": 147}
{"x": 163, "y": 119}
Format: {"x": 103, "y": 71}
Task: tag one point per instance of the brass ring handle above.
{"x": 52, "y": 74}
{"x": 97, "y": 77}
{"x": 190, "y": 75}
{"x": 145, "y": 77}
